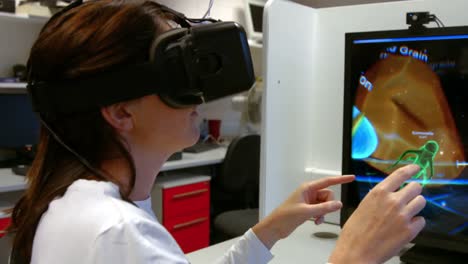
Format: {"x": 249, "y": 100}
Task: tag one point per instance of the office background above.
{"x": 21, "y": 34}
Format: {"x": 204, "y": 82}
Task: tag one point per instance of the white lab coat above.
{"x": 92, "y": 224}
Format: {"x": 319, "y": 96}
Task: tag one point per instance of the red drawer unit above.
{"x": 182, "y": 205}
{"x": 186, "y": 199}
{"x": 190, "y": 231}
{"x": 4, "y": 223}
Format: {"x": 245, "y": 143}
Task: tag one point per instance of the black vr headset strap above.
{"x": 187, "y": 66}
{"x": 92, "y": 92}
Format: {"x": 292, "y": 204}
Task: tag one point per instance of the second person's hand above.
{"x": 384, "y": 221}
{"x": 310, "y": 200}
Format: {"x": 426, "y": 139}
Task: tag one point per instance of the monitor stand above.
{"x": 429, "y": 255}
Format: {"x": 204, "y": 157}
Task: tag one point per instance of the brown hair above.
{"x": 95, "y": 36}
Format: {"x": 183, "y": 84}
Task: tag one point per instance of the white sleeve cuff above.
{"x": 257, "y": 246}
{"x": 247, "y": 250}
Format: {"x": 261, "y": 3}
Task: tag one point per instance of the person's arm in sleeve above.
{"x": 248, "y": 249}
{"x": 309, "y": 200}
{"x": 388, "y": 213}
{"x": 131, "y": 242}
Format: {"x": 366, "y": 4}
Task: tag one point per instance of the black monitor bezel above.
{"x": 348, "y": 191}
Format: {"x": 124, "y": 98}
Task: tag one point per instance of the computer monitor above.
{"x": 19, "y": 124}
{"x": 254, "y": 19}
{"x": 406, "y": 97}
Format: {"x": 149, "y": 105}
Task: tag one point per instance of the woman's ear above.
{"x": 118, "y": 116}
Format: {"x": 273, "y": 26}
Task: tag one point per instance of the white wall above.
{"x": 287, "y": 64}
{"x": 304, "y": 78}
{"x": 330, "y": 3}
{"x": 17, "y": 37}
{"x": 229, "y": 10}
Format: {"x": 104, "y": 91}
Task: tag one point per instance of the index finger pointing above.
{"x": 329, "y": 181}
{"x": 398, "y": 177}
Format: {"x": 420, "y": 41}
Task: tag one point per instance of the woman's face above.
{"x": 158, "y": 127}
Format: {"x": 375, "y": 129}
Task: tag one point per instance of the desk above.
{"x": 189, "y": 160}
{"x": 11, "y": 182}
{"x": 300, "y": 247}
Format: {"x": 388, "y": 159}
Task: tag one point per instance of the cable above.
{"x": 78, "y": 156}
{"x": 207, "y": 14}
{"x": 437, "y": 19}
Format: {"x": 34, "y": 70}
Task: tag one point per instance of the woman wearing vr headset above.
{"x": 89, "y": 185}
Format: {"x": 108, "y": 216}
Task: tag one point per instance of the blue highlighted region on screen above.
{"x": 408, "y": 39}
{"x": 364, "y": 136}
{"x": 375, "y": 180}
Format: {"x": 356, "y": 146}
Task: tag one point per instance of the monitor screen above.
{"x": 406, "y": 98}
{"x": 254, "y": 18}
{"x": 256, "y": 13}
{"x": 19, "y": 124}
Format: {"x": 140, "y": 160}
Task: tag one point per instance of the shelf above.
{"x": 10, "y": 182}
{"x": 13, "y": 85}
{"x": 22, "y": 18}
{"x": 13, "y": 88}
{"x": 188, "y": 160}
{"x": 180, "y": 179}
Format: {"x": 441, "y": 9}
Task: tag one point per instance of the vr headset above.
{"x": 188, "y": 66}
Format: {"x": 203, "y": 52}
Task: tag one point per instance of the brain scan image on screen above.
{"x": 405, "y": 118}
{"x": 409, "y": 107}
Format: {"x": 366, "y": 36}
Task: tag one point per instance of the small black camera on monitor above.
{"x": 418, "y": 19}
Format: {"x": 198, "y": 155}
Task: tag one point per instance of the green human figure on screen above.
{"x": 423, "y": 157}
